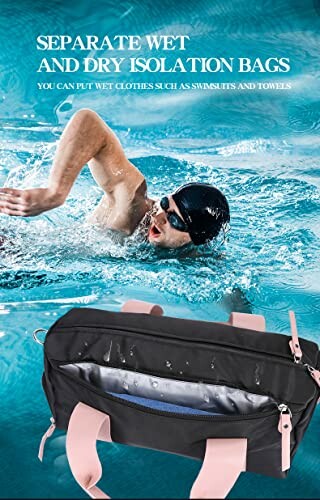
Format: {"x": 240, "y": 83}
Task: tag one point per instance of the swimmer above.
{"x": 194, "y": 213}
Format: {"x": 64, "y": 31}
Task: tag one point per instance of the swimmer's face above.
{"x": 161, "y": 233}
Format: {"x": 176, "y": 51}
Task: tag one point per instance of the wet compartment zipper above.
{"x": 282, "y": 409}
{"x": 145, "y": 409}
{"x": 174, "y": 377}
{"x": 284, "y": 423}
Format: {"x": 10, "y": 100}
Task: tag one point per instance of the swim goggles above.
{"x": 173, "y": 218}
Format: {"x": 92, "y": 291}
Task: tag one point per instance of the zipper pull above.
{"x": 294, "y": 342}
{"x": 46, "y": 435}
{"x": 285, "y": 428}
{"x": 315, "y": 374}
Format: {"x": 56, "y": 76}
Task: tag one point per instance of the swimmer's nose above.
{"x": 160, "y": 218}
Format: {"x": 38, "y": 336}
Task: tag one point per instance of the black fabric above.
{"x": 185, "y": 350}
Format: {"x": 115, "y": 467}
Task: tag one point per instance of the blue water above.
{"x": 260, "y": 147}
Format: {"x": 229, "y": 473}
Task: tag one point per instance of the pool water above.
{"x": 260, "y": 148}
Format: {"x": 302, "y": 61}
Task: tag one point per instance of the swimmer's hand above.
{"x": 28, "y": 202}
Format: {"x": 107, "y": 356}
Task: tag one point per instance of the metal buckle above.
{"x": 35, "y": 337}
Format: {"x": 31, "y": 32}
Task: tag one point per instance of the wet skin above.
{"x": 162, "y": 234}
{"x": 88, "y": 140}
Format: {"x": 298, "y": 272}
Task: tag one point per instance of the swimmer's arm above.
{"x": 85, "y": 139}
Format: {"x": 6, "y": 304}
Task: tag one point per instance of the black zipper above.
{"x": 145, "y": 409}
{"x": 247, "y": 352}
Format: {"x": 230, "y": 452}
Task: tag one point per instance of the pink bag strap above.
{"x": 138, "y": 306}
{"x": 86, "y": 426}
{"x": 248, "y": 321}
{"x": 224, "y": 458}
{"x": 46, "y": 435}
{"x": 294, "y": 343}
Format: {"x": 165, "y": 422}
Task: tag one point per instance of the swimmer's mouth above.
{"x": 154, "y": 231}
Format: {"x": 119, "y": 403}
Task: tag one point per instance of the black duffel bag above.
{"x": 230, "y": 394}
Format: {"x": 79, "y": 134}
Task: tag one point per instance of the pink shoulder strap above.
{"x": 138, "y": 306}
{"x": 224, "y": 458}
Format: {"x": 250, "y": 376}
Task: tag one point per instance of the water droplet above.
{"x": 161, "y": 395}
{"x": 79, "y": 353}
{"x": 257, "y": 375}
{"x": 107, "y": 355}
{"x": 125, "y": 386}
{"x": 135, "y": 383}
{"x": 206, "y": 398}
{"x": 212, "y": 364}
{"x": 169, "y": 364}
{"x": 131, "y": 353}
{"x": 154, "y": 383}
{"x": 181, "y": 372}
{"x": 187, "y": 362}
{"x": 121, "y": 356}
{"x": 86, "y": 344}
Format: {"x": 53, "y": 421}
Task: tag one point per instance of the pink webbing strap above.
{"x": 223, "y": 462}
{"x": 46, "y": 435}
{"x": 138, "y": 306}
{"x": 86, "y": 425}
{"x": 248, "y": 321}
{"x": 294, "y": 343}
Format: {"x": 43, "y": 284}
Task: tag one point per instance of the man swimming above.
{"x": 196, "y": 212}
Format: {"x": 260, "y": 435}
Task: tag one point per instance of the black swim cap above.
{"x": 204, "y": 209}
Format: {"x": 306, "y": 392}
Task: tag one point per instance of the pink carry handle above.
{"x": 224, "y": 459}
{"x": 138, "y": 306}
{"x": 248, "y": 321}
{"x": 86, "y": 426}
{"x": 223, "y": 462}
{"x": 241, "y": 320}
